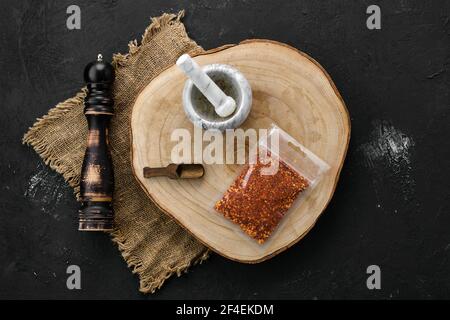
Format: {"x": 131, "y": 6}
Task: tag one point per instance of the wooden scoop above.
{"x": 176, "y": 171}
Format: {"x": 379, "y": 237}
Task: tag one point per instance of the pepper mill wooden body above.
{"x": 97, "y": 176}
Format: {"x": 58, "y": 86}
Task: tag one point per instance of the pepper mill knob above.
{"x": 99, "y": 71}
{"x": 97, "y": 177}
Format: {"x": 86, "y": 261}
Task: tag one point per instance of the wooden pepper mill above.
{"x": 97, "y": 176}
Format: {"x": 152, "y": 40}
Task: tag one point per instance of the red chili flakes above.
{"x": 258, "y": 202}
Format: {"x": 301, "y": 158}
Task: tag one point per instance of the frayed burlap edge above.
{"x": 41, "y": 147}
{"x": 156, "y": 26}
{"x": 146, "y": 283}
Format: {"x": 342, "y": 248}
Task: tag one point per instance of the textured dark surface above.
{"x": 391, "y": 206}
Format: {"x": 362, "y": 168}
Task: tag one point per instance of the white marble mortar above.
{"x": 201, "y": 112}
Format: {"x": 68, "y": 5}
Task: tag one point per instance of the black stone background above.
{"x": 391, "y": 210}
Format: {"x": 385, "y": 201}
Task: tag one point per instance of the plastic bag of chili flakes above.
{"x": 271, "y": 184}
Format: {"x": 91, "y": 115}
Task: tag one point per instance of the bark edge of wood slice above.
{"x": 291, "y": 90}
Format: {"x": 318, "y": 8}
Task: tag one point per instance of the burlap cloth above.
{"x": 152, "y": 244}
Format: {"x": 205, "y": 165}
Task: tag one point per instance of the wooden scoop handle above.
{"x": 176, "y": 171}
{"x": 157, "y": 172}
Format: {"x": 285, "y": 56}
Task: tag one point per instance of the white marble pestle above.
{"x": 224, "y": 105}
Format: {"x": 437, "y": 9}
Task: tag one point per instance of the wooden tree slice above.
{"x": 289, "y": 89}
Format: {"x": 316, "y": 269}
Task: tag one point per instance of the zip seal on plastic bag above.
{"x": 271, "y": 184}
